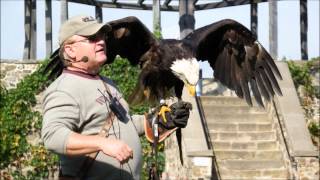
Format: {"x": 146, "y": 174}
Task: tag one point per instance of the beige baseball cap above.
{"x": 80, "y": 25}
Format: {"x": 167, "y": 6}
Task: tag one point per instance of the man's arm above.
{"x": 61, "y": 118}
{"x": 78, "y": 144}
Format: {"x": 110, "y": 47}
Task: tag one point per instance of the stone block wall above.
{"x": 13, "y": 71}
{"x": 193, "y": 167}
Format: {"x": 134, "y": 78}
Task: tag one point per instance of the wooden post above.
{"x": 273, "y": 29}
{"x": 48, "y": 14}
{"x": 64, "y": 10}
{"x": 99, "y": 16}
{"x": 33, "y": 44}
{"x": 27, "y": 28}
{"x": 304, "y": 29}
{"x": 254, "y": 18}
{"x": 156, "y": 17}
{"x": 186, "y": 20}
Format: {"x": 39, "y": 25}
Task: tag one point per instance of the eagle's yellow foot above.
{"x": 163, "y": 111}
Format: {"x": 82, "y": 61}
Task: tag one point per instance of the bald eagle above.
{"x": 239, "y": 61}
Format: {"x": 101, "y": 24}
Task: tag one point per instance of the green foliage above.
{"x": 301, "y": 76}
{"x": 314, "y": 129}
{"x": 157, "y": 32}
{"x": 18, "y": 120}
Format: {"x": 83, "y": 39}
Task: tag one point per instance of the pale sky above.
{"x": 12, "y": 24}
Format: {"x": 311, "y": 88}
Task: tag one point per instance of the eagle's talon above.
{"x": 163, "y": 111}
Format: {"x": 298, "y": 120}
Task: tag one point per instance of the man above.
{"x": 76, "y": 106}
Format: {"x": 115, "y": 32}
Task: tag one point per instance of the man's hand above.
{"x": 177, "y": 116}
{"x": 79, "y": 144}
{"x": 117, "y": 149}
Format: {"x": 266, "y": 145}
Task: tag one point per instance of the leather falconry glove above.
{"x": 176, "y": 116}
{"x": 169, "y": 119}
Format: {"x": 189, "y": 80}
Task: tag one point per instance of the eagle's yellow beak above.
{"x": 191, "y": 89}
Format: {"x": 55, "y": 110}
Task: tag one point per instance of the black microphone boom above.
{"x": 84, "y": 59}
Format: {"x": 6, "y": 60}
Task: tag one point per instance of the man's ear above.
{"x": 70, "y": 50}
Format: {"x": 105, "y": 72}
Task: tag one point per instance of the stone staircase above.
{"x": 244, "y": 139}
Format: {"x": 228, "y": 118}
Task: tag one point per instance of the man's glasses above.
{"x": 93, "y": 39}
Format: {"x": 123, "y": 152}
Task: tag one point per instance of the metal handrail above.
{"x": 215, "y": 169}
{"x": 291, "y": 158}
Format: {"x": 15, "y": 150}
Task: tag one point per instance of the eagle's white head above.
{"x": 187, "y": 70}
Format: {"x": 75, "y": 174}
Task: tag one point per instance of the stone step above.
{"x": 267, "y": 174}
{"x": 242, "y": 136}
{"x": 248, "y": 154}
{"x": 242, "y": 126}
{"x": 250, "y": 164}
{"x": 217, "y": 109}
{"x": 224, "y": 101}
{"x": 230, "y": 118}
{"x": 245, "y": 145}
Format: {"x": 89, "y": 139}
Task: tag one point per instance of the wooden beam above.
{"x": 166, "y": 2}
{"x": 304, "y": 29}
{"x": 134, "y": 6}
{"x": 222, "y": 4}
{"x": 273, "y": 29}
{"x": 166, "y": 7}
{"x": 64, "y": 10}
{"x": 254, "y": 18}
{"x": 156, "y": 16}
{"x": 186, "y": 20}
{"x": 140, "y": 2}
{"x": 48, "y": 15}
{"x": 27, "y": 29}
{"x": 99, "y": 16}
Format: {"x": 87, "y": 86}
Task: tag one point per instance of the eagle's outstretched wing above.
{"x": 55, "y": 66}
{"x": 129, "y": 38}
{"x": 237, "y": 58}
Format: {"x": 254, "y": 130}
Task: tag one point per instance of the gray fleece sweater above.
{"x": 75, "y": 102}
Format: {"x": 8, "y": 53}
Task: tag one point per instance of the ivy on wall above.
{"x": 18, "y": 120}
{"x": 301, "y": 75}
{"x": 20, "y": 159}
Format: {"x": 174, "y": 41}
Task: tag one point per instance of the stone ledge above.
{"x": 193, "y": 135}
{"x": 207, "y": 153}
{"x": 19, "y": 61}
{"x": 293, "y": 116}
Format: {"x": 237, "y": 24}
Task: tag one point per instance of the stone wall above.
{"x": 193, "y": 167}
{"x": 13, "y": 71}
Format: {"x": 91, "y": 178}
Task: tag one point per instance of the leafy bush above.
{"x": 301, "y": 75}
{"x": 18, "y": 119}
